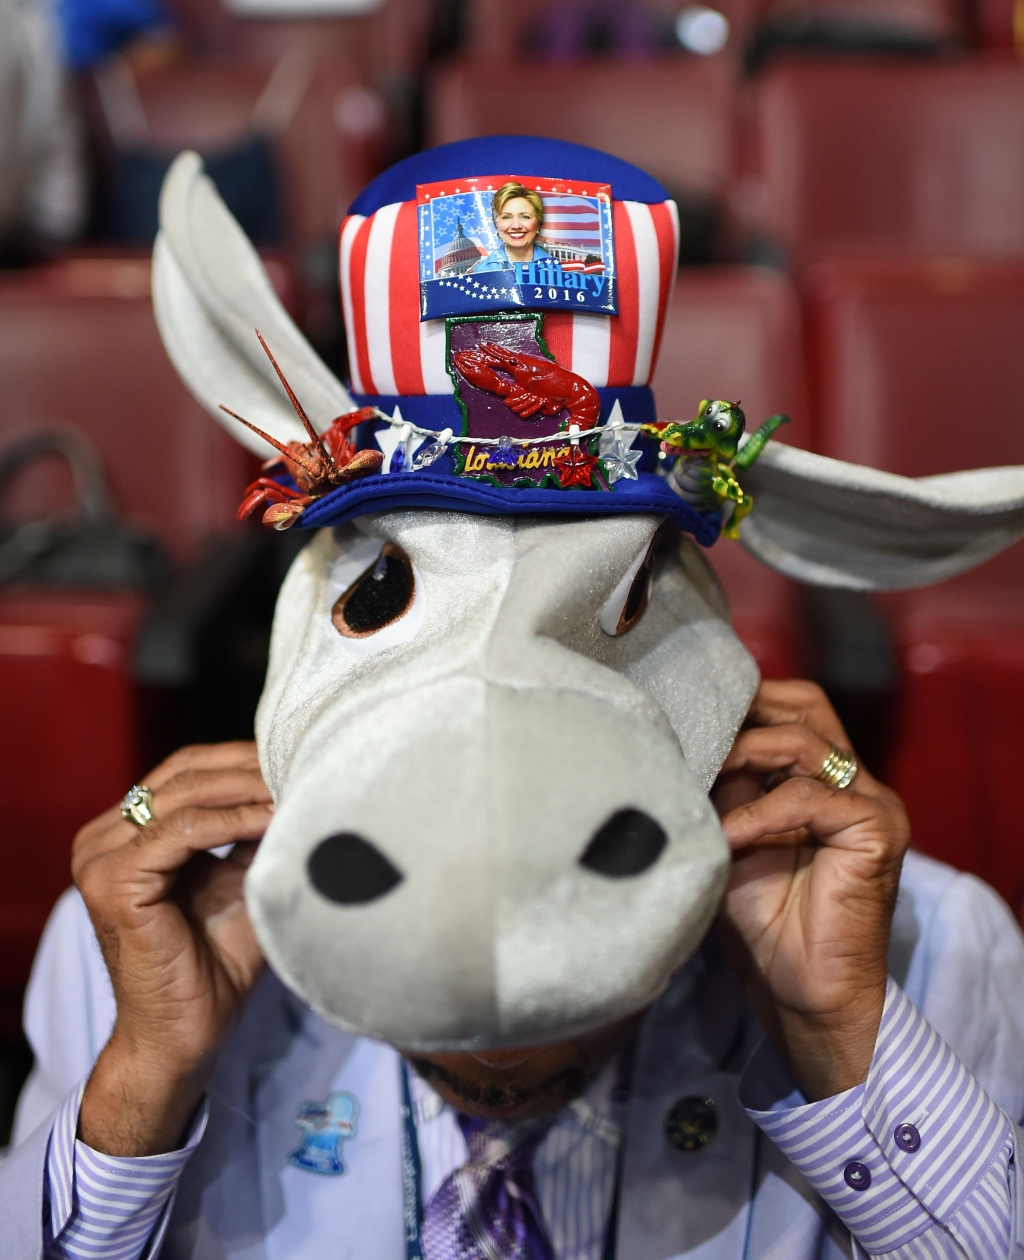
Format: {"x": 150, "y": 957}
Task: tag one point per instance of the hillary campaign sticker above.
{"x": 325, "y": 1126}
{"x": 501, "y": 241}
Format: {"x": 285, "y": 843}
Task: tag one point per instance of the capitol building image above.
{"x": 462, "y": 255}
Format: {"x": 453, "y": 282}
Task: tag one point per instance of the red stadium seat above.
{"x": 79, "y": 344}
{"x": 327, "y": 129}
{"x": 67, "y": 745}
{"x": 919, "y": 371}
{"x": 497, "y": 29}
{"x": 997, "y": 22}
{"x": 673, "y": 116}
{"x": 734, "y": 332}
{"x": 917, "y": 364}
{"x": 364, "y": 90}
{"x": 957, "y": 740}
{"x": 494, "y": 28}
{"x": 767, "y": 611}
{"x": 915, "y": 155}
{"x": 387, "y": 43}
{"x": 936, "y": 19}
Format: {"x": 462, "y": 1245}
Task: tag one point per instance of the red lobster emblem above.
{"x": 530, "y": 385}
{"x": 326, "y": 461}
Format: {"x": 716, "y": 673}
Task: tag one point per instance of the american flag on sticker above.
{"x": 499, "y": 242}
{"x": 572, "y": 230}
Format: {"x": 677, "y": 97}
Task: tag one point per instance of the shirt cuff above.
{"x": 905, "y": 1150}
{"x": 101, "y": 1203}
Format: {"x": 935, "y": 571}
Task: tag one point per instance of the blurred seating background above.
{"x": 850, "y": 175}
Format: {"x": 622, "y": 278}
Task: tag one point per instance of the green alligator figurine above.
{"x": 709, "y": 450}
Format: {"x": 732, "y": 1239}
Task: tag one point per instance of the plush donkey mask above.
{"x": 502, "y": 678}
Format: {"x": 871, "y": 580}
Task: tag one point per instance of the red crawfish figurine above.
{"x": 529, "y": 384}
{"x": 327, "y": 460}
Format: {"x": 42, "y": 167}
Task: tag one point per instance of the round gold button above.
{"x": 692, "y": 1124}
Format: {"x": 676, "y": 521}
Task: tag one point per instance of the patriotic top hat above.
{"x": 504, "y": 300}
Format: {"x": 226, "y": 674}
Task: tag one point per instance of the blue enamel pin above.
{"x": 325, "y": 1125}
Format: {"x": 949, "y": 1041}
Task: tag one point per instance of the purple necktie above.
{"x": 488, "y": 1209}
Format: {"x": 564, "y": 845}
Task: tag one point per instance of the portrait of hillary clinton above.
{"x": 518, "y": 214}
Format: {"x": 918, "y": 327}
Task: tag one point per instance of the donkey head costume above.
{"x": 502, "y": 677}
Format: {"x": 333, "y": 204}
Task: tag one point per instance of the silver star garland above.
{"x": 619, "y": 461}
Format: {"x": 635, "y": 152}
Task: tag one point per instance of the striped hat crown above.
{"x": 394, "y": 353}
{"x": 504, "y": 300}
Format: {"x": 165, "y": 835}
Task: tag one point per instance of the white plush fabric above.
{"x": 480, "y": 756}
{"x": 830, "y": 523}
{"x": 210, "y": 294}
{"x": 480, "y": 741}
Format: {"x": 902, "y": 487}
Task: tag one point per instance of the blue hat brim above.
{"x": 423, "y": 488}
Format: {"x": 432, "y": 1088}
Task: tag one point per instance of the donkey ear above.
{"x": 210, "y": 294}
{"x": 828, "y": 523}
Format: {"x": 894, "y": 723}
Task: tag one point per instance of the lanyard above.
{"x": 412, "y": 1173}
{"x": 412, "y": 1182}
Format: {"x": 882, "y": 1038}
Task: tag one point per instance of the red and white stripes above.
{"x": 392, "y": 352}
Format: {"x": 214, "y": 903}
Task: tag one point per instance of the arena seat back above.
{"x": 68, "y": 744}
{"x": 917, "y": 364}
{"x": 673, "y": 116}
{"x": 734, "y": 332}
{"x": 494, "y": 28}
{"x": 956, "y": 739}
{"x": 901, "y": 155}
{"x": 919, "y": 371}
{"x": 996, "y": 22}
{"x": 326, "y": 130}
{"x": 392, "y": 38}
{"x": 938, "y": 19}
{"x": 79, "y": 344}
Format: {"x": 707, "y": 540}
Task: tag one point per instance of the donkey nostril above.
{"x": 350, "y": 870}
{"x": 628, "y": 843}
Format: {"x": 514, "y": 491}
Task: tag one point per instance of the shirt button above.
{"x": 692, "y": 1123}
{"x": 907, "y": 1138}
{"x": 857, "y": 1176}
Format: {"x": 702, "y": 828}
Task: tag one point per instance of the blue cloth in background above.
{"x": 246, "y": 177}
{"x": 92, "y": 29}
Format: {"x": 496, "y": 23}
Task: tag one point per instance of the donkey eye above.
{"x": 379, "y": 597}
{"x": 628, "y": 602}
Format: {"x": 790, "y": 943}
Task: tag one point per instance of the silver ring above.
{"x": 137, "y": 806}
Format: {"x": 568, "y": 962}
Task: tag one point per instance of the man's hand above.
{"x": 176, "y": 938}
{"x": 813, "y": 886}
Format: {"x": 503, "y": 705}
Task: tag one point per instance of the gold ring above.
{"x": 137, "y": 806}
{"x": 839, "y": 769}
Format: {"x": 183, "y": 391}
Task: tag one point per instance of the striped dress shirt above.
{"x": 915, "y": 1162}
{"x": 105, "y": 1207}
